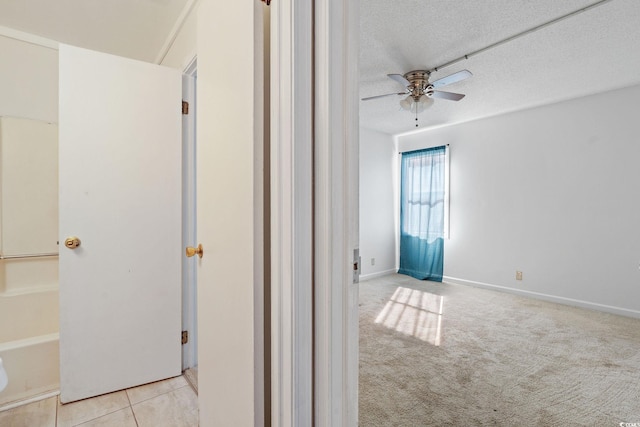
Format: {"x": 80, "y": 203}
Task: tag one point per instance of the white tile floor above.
{"x": 170, "y": 403}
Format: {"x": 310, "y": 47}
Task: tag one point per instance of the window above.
{"x": 423, "y": 212}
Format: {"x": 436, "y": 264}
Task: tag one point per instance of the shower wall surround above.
{"x": 28, "y": 257}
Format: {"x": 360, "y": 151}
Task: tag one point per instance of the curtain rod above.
{"x": 523, "y": 33}
{"x": 426, "y": 148}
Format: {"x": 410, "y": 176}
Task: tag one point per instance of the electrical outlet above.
{"x": 518, "y": 275}
{"x": 373, "y": 261}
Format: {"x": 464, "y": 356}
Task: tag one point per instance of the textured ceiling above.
{"x": 132, "y": 28}
{"x": 591, "y": 52}
{"x": 588, "y": 53}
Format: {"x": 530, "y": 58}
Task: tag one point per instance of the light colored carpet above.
{"x": 491, "y": 359}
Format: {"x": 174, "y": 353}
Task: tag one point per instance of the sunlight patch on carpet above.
{"x": 415, "y": 313}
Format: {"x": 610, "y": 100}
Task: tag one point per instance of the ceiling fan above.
{"x": 421, "y": 92}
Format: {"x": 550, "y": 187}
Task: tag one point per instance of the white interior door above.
{"x": 120, "y": 194}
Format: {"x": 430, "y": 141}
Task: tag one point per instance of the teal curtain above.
{"x": 422, "y": 198}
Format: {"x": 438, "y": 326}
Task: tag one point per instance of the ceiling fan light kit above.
{"x": 418, "y": 106}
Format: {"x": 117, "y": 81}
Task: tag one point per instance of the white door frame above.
{"x": 336, "y": 211}
{"x": 189, "y": 293}
{"x": 291, "y": 213}
{"x": 314, "y": 140}
{"x": 327, "y": 160}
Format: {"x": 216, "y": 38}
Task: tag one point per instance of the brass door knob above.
{"x": 192, "y": 251}
{"x": 72, "y": 242}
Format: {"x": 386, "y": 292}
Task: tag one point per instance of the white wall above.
{"x": 28, "y": 90}
{"x": 29, "y": 182}
{"x": 377, "y": 181}
{"x": 28, "y": 80}
{"x": 229, "y": 147}
{"x": 28, "y": 203}
{"x": 552, "y": 192}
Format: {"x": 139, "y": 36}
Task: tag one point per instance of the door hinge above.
{"x": 185, "y": 107}
{"x": 357, "y": 265}
{"x": 185, "y": 337}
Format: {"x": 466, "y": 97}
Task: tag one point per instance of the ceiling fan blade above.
{"x": 399, "y": 78}
{"x": 453, "y": 78}
{"x": 451, "y": 96}
{"x": 382, "y": 96}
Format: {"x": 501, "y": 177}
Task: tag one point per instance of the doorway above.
{"x": 189, "y": 227}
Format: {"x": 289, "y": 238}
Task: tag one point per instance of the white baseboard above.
{"x": 28, "y": 400}
{"x": 370, "y": 276}
{"x": 551, "y": 298}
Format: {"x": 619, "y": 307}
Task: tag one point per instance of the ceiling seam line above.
{"x": 175, "y": 31}
{"x": 32, "y": 39}
{"x": 521, "y": 34}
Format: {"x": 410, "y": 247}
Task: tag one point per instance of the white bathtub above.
{"x": 32, "y": 365}
{"x": 29, "y": 340}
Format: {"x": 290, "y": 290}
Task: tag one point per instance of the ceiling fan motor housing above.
{"x": 419, "y": 83}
